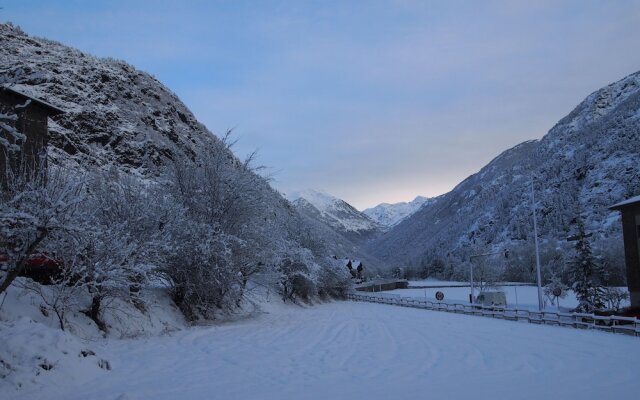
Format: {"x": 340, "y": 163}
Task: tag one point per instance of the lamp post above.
{"x": 535, "y": 237}
{"x": 471, "y": 277}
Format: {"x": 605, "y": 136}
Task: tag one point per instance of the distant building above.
{"x": 32, "y": 119}
{"x": 357, "y": 272}
{"x": 630, "y": 210}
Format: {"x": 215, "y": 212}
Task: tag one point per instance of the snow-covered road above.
{"x": 364, "y": 351}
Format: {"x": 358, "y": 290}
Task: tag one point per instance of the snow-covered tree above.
{"x": 296, "y": 272}
{"x": 201, "y": 273}
{"x": 333, "y": 280}
{"x": 124, "y": 236}
{"x": 586, "y": 273}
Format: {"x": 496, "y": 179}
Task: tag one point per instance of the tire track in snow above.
{"x": 351, "y": 350}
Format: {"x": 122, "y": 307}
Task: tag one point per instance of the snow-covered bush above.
{"x": 333, "y": 280}
{"x": 296, "y": 271}
{"x": 37, "y": 209}
{"x": 201, "y": 273}
{"x": 204, "y": 228}
{"x": 125, "y": 232}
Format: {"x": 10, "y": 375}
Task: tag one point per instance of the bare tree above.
{"x": 614, "y": 297}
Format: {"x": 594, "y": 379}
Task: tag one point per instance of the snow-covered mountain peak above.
{"x": 391, "y": 214}
{"x": 318, "y": 198}
{"x": 334, "y": 212}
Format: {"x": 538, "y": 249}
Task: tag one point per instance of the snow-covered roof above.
{"x": 626, "y": 203}
{"x": 51, "y": 107}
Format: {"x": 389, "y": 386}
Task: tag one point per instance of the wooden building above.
{"x": 23, "y": 153}
{"x": 630, "y": 210}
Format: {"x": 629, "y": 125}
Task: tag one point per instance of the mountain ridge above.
{"x": 390, "y": 214}
{"x": 335, "y": 213}
{"x": 587, "y": 161}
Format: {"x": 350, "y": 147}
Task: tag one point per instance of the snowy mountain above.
{"x": 114, "y": 113}
{"x": 587, "y": 162}
{"x": 391, "y": 214}
{"x": 335, "y": 213}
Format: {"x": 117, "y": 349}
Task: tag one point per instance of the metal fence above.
{"x": 614, "y": 324}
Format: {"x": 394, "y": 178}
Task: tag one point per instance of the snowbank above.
{"x": 360, "y": 351}
{"x": 33, "y": 355}
{"x": 36, "y": 353}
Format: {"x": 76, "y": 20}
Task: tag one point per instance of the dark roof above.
{"x": 634, "y": 201}
{"x": 53, "y": 110}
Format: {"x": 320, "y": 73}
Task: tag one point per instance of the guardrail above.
{"x": 614, "y": 324}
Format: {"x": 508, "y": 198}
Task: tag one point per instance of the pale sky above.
{"x": 371, "y": 101}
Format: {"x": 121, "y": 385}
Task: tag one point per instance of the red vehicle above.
{"x": 39, "y": 267}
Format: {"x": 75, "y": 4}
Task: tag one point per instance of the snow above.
{"x": 318, "y": 198}
{"x": 360, "y": 351}
{"x": 518, "y": 295}
{"x": 34, "y": 354}
{"x": 592, "y": 155}
{"x": 392, "y": 214}
{"x": 334, "y": 212}
{"x": 435, "y": 283}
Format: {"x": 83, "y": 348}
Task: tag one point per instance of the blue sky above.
{"x": 372, "y": 101}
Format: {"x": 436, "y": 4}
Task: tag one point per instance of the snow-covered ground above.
{"x": 517, "y": 296}
{"x": 436, "y": 283}
{"x": 458, "y": 292}
{"x": 358, "y": 351}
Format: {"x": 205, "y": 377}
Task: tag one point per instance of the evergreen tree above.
{"x": 586, "y": 274}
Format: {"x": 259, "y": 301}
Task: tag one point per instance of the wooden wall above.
{"x": 32, "y": 122}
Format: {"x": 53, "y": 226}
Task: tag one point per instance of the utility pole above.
{"x": 471, "y": 298}
{"x": 535, "y": 237}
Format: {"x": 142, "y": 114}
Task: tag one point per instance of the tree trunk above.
{"x": 15, "y": 272}
{"x": 94, "y": 312}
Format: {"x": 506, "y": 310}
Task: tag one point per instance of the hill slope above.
{"x": 119, "y": 117}
{"x": 587, "y": 162}
{"x": 115, "y": 113}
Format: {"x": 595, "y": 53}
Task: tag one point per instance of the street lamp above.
{"x": 535, "y": 237}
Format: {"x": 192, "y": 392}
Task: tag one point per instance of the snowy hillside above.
{"x": 391, "y": 214}
{"x": 587, "y": 162}
{"x": 336, "y": 213}
{"x": 115, "y": 113}
{"x": 119, "y": 116}
{"x": 137, "y": 146}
